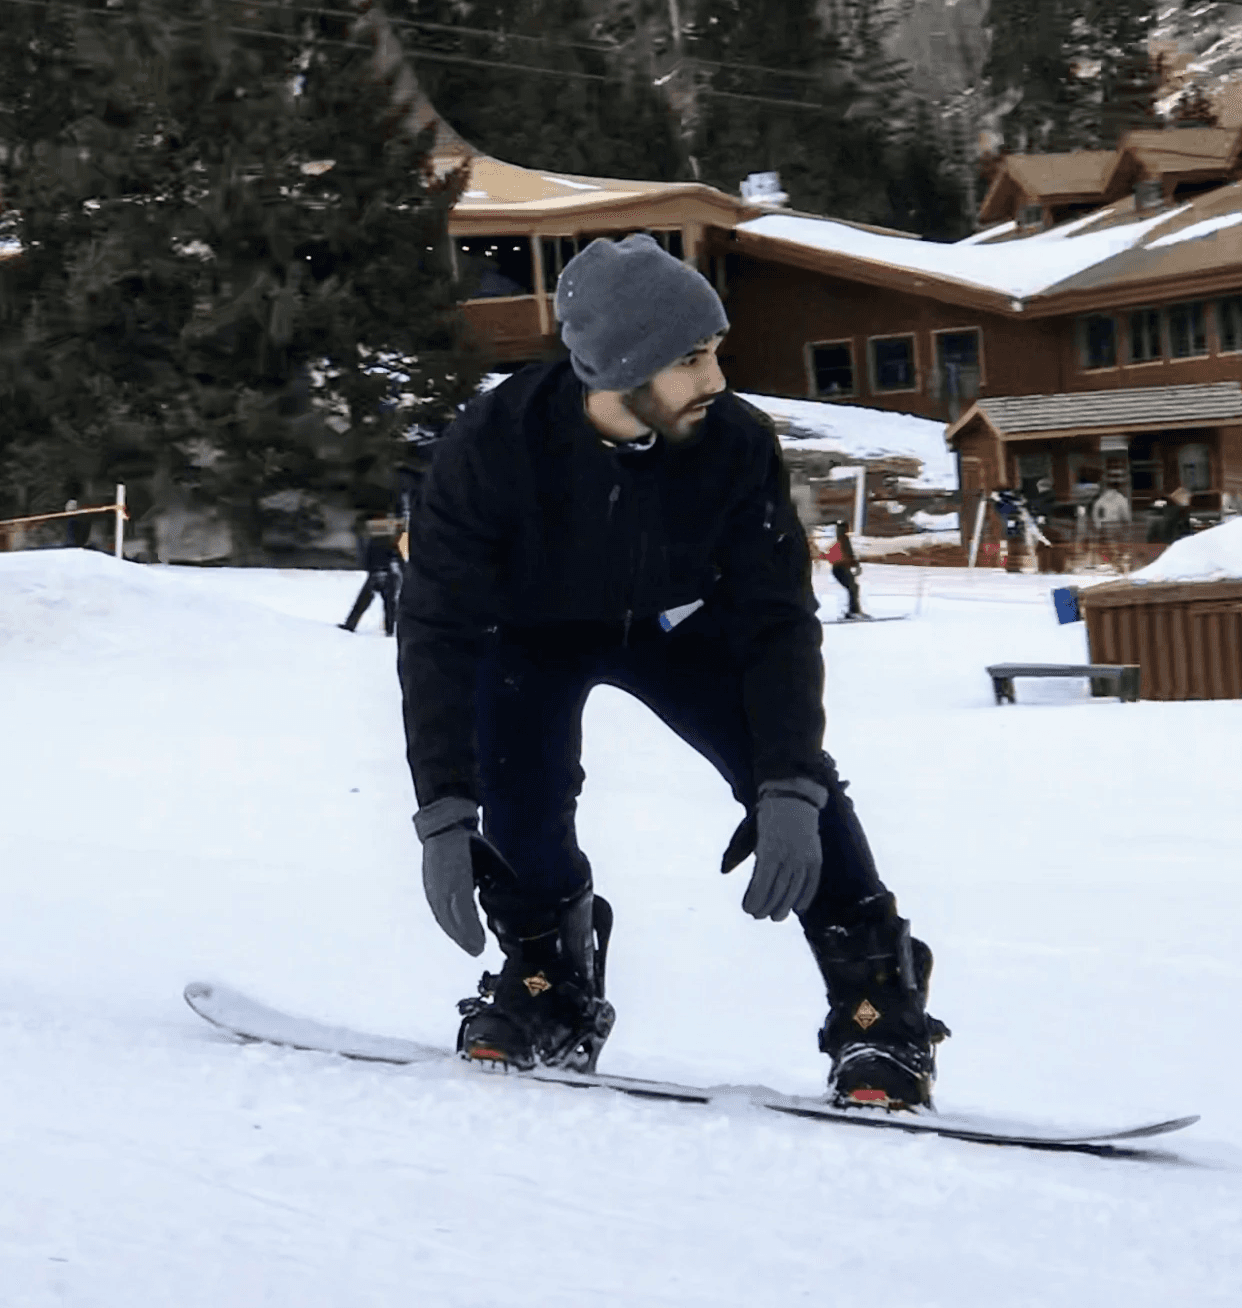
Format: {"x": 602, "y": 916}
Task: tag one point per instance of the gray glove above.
{"x": 447, "y": 828}
{"x": 788, "y": 853}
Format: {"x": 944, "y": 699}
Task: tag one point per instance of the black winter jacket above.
{"x": 528, "y": 518}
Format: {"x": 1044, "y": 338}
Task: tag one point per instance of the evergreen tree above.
{"x": 1075, "y": 73}
{"x": 1194, "y": 108}
{"x": 924, "y": 195}
{"x": 1115, "y": 35}
{"x": 225, "y": 233}
{"x": 1031, "y": 67}
{"x": 824, "y": 116}
{"x": 541, "y": 84}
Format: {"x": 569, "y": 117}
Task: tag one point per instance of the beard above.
{"x": 673, "y": 424}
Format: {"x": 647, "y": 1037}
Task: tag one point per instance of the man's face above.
{"x": 674, "y": 402}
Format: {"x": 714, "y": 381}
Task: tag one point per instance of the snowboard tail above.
{"x": 246, "y": 1019}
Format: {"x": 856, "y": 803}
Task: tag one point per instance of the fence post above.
{"x": 120, "y": 519}
{"x": 860, "y": 500}
{"x": 974, "y": 540}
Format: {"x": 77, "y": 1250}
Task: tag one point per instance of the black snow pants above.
{"x": 533, "y": 685}
{"x": 388, "y": 584}
{"x": 845, "y": 577}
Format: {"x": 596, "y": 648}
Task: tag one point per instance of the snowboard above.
{"x": 248, "y": 1020}
{"x": 862, "y": 622}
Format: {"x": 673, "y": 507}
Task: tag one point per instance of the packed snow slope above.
{"x": 203, "y": 778}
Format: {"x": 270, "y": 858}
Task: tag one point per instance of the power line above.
{"x": 429, "y": 56}
{"x": 409, "y": 24}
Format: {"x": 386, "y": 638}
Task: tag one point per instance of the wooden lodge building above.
{"x": 1105, "y": 271}
{"x": 514, "y": 229}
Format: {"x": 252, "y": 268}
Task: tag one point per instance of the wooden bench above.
{"x": 1121, "y": 679}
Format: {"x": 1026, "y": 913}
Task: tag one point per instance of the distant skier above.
{"x": 845, "y": 568}
{"x": 382, "y": 560}
{"x": 620, "y": 519}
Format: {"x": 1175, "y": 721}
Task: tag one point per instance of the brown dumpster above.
{"x": 1186, "y": 636}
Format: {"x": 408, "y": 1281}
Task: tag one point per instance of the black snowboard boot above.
{"x": 547, "y": 1004}
{"x": 877, "y": 1033}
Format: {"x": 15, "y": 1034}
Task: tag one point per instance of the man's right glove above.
{"x": 447, "y": 829}
{"x": 788, "y": 852}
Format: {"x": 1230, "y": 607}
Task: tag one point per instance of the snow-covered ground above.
{"x": 202, "y": 777}
{"x": 863, "y": 433}
{"x": 1212, "y": 555}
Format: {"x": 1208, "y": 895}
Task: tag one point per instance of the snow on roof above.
{"x": 860, "y": 433}
{"x": 1196, "y": 231}
{"x": 989, "y": 233}
{"x": 1212, "y": 555}
{"x": 1041, "y": 264}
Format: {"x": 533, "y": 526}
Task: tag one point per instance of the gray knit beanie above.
{"x": 627, "y": 309}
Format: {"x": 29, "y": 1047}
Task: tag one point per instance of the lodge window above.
{"x": 1194, "y": 467}
{"x": 1145, "y": 340}
{"x": 1099, "y": 342}
{"x": 1187, "y": 330}
{"x": 959, "y": 363}
{"x": 832, "y": 368}
{"x": 1030, "y": 215}
{"x": 492, "y": 266}
{"x": 1229, "y": 322}
{"x": 1146, "y": 467}
{"x": 892, "y": 363}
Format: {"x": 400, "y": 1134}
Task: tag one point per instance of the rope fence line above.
{"x": 14, "y": 528}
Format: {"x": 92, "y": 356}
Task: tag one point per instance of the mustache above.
{"x": 706, "y": 399}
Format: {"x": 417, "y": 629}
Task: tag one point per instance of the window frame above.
{"x": 1024, "y": 216}
{"x": 1188, "y": 305}
{"x": 1084, "y": 361}
{"x": 1182, "y": 461}
{"x": 813, "y": 390}
{"x": 960, "y": 331}
{"x": 872, "y": 370}
{"x": 461, "y": 256}
{"x": 1162, "y": 357}
{"x": 1221, "y": 301}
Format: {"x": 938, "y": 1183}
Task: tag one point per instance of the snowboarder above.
{"x": 382, "y": 560}
{"x": 620, "y": 518}
{"x": 845, "y": 568}
{"x": 1171, "y": 520}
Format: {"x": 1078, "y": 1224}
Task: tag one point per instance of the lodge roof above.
{"x": 1115, "y": 257}
{"x": 1145, "y": 407}
{"x": 1200, "y": 152}
{"x": 1182, "y": 149}
{"x": 1075, "y": 175}
{"x": 503, "y": 197}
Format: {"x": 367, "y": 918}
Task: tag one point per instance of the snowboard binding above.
{"x": 878, "y": 1033}
{"x": 546, "y": 1006}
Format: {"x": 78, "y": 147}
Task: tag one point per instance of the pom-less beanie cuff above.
{"x": 628, "y": 309}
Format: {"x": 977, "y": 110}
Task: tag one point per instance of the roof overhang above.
{"x": 1224, "y": 397}
{"x": 1132, "y": 295}
{"x": 870, "y": 272}
{"x": 600, "y": 210}
{"x": 974, "y": 415}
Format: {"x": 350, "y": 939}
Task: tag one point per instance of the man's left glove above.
{"x": 788, "y": 853}
{"x": 447, "y": 828}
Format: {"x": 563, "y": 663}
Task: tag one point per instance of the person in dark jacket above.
{"x": 621, "y": 519}
{"x": 845, "y": 568}
{"x": 1172, "y": 518}
{"x": 382, "y": 561}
